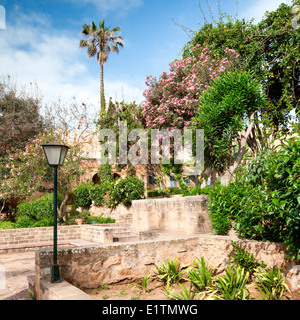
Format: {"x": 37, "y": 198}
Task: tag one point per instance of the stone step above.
{"x": 126, "y": 238}
{"x": 124, "y": 233}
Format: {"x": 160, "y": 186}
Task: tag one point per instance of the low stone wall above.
{"x": 92, "y": 233}
{"x": 121, "y": 213}
{"x": 61, "y": 291}
{"x": 89, "y": 267}
{"x": 188, "y": 215}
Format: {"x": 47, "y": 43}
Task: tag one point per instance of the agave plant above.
{"x": 143, "y": 283}
{"x": 271, "y": 284}
{"x": 170, "y": 272}
{"x": 185, "y": 294}
{"x": 201, "y": 276}
{"x": 232, "y": 286}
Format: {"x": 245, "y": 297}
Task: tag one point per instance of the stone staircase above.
{"x": 124, "y": 233}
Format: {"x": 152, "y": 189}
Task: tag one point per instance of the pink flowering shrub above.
{"x": 173, "y": 100}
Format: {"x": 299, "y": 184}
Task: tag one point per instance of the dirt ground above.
{"x": 155, "y": 291}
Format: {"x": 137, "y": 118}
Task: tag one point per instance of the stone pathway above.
{"x": 17, "y": 266}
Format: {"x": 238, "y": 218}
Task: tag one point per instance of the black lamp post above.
{"x": 55, "y": 154}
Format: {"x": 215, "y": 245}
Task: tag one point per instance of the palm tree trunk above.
{"x": 102, "y": 97}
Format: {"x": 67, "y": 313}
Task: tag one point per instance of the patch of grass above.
{"x": 104, "y": 287}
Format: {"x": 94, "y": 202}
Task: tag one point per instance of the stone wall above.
{"x": 92, "y": 233}
{"x": 188, "y": 215}
{"x": 90, "y": 267}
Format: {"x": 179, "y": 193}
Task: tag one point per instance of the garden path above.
{"x": 17, "y": 266}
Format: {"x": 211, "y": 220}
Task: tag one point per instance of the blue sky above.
{"x": 40, "y": 44}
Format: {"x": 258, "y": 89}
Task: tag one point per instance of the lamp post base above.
{"x": 55, "y": 275}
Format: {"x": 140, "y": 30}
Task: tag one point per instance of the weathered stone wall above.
{"x": 188, "y": 215}
{"x": 93, "y": 233}
{"x": 90, "y": 267}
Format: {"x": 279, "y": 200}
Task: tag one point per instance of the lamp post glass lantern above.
{"x": 55, "y": 154}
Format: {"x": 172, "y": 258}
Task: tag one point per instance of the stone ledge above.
{"x": 61, "y": 291}
{"x": 19, "y": 247}
{"x": 163, "y": 200}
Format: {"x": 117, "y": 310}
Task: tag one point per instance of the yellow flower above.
{"x": 116, "y": 201}
{"x": 225, "y": 27}
{"x": 297, "y": 9}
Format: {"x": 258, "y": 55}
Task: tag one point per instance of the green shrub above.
{"x": 82, "y": 193}
{"x": 264, "y": 202}
{"x": 222, "y": 207}
{"x": 100, "y": 220}
{"x": 157, "y": 193}
{"x": 242, "y": 258}
{"x": 97, "y": 193}
{"x": 105, "y": 173}
{"x": 125, "y": 191}
{"x": 37, "y": 213}
{"x": 7, "y": 225}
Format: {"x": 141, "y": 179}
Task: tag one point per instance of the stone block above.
{"x": 293, "y": 277}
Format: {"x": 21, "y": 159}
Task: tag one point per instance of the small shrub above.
{"x": 158, "y": 193}
{"x": 7, "y": 225}
{"x": 99, "y": 220}
{"x": 37, "y": 213}
{"x": 83, "y": 197}
{"x": 97, "y": 193}
{"x": 125, "y": 191}
{"x": 242, "y": 258}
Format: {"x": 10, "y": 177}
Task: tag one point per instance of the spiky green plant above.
{"x": 201, "y": 276}
{"x": 170, "y": 272}
{"x": 232, "y": 286}
{"x": 271, "y": 284}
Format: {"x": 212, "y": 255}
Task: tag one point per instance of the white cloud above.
{"x": 31, "y": 51}
{"x": 120, "y": 6}
{"x": 257, "y": 8}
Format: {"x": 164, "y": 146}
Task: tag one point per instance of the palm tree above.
{"x": 101, "y": 41}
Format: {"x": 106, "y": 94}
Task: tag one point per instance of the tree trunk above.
{"x": 62, "y": 207}
{"x": 3, "y": 205}
{"x": 102, "y": 96}
{"x": 242, "y": 140}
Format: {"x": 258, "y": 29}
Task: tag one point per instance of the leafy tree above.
{"x": 28, "y": 170}
{"x": 173, "y": 100}
{"x": 229, "y": 110}
{"x": 101, "y": 41}
{"x": 20, "y": 118}
{"x": 270, "y": 49}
